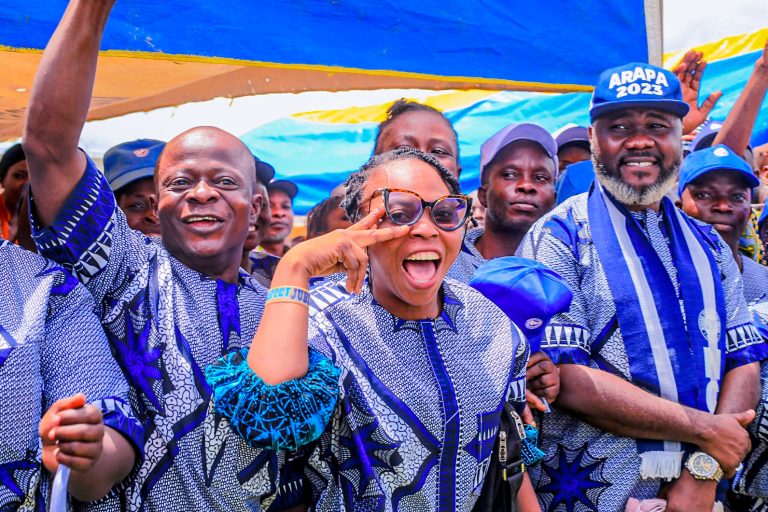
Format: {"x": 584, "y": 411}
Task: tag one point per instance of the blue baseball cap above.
{"x": 513, "y": 133}
{"x": 529, "y": 292}
{"x": 131, "y": 161}
{"x": 637, "y": 85}
{"x": 572, "y": 134}
{"x": 576, "y": 179}
{"x": 716, "y": 158}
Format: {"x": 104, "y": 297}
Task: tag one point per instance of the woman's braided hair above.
{"x": 355, "y": 184}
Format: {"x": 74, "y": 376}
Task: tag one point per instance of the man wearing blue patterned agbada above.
{"x": 52, "y": 348}
{"x": 658, "y": 356}
{"x": 170, "y": 306}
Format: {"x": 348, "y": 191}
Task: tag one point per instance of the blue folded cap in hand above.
{"x": 529, "y": 292}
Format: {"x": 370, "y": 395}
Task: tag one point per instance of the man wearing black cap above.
{"x": 281, "y": 195}
{"x": 657, "y": 354}
{"x": 170, "y": 305}
{"x": 130, "y": 169}
{"x": 257, "y": 262}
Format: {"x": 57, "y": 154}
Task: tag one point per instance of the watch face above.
{"x": 703, "y": 465}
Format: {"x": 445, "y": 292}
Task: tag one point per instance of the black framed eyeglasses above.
{"x": 405, "y": 208}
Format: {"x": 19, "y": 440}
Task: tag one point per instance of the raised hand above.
{"x": 72, "y": 433}
{"x": 689, "y": 71}
{"x": 342, "y": 250}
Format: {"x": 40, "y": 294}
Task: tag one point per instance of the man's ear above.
{"x": 257, "y": 203}
{"x": 482, "y": 195}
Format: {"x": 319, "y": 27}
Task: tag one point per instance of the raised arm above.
{"x": 61, "y": 94}
{"x": 737, "y": 128}
{"x": 690, "y": 71}
{"x": 279, "y": 349}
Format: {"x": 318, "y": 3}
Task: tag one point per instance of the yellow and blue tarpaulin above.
{"x": 319, "y": 149}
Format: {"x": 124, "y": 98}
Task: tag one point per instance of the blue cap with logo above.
{"x": 637, "y": 85}
{"x": 529, "y": 292}
{"x": 576, "y": 179}
{"x": 716, "y": 158}
{"x": 131, "y": 161}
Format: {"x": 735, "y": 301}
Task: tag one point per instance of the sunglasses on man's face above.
{"x": 405, "y": 208}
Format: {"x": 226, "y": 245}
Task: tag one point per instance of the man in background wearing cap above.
{"x": 716, "y": 187}
{"x": 257, "y": 262}
{"x": 517, "y": 186}
{"x": 572, "y": 146}
{"x": 642, "y": 379}
{"x": 281, "y": 195}
{"x": 518, "y": 169}
{"x": 130, "y": 169}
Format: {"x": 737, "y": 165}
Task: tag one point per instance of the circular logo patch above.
{"x": 709, "y": 325}
{"x": 721, "y": 152}
{"x": 141, "y": 152}
{"x": 533, "y": 323}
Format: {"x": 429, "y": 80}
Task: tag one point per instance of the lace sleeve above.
{"x": 285, "y": 416}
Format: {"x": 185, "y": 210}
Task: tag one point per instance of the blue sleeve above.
{"x": 76, "y": 359}
{"x": 744, "y": 344}
{"x": 90, "y": 236}
{"x": 285, "y": 416}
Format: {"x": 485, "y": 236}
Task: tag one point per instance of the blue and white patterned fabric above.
{"x": 420, "y": 401}
{"x": 166, "y": 323}
{"x": 469, "y": 258}
{"x": 755, "y": 277}
{"x": 263, "y": 266}
{"x": 586, "y": 468}
{"x": 51, "y": 346}
{"x": 752, "y": 481}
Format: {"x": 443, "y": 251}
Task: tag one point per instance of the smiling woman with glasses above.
{"x": 389, "y": 383}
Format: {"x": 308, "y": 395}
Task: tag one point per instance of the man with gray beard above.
{"x": 657, "y": 354}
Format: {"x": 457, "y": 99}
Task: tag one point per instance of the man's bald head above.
{"x": 211, "y": 143}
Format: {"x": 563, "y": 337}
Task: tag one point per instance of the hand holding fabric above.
{"x": 72, "y": 433}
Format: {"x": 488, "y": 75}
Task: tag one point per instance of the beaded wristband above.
{"x": 288, "y": 294}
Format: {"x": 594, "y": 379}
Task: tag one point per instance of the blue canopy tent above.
{"x": 166, "y": 53}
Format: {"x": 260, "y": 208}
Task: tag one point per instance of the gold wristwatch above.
{"x": 703, "y": 467}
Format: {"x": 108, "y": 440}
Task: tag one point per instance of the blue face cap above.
{"x": 637, "y": 85}
{"x": 131, "y": 161}
{"x": 527, "y": 291}
{"x": 716, "y": 158}
{"x": 576, "y": 179}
